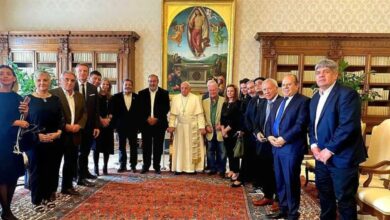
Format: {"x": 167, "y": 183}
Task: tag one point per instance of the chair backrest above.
{"x": 363, "y": 128}
{"x": 379, "y": 147}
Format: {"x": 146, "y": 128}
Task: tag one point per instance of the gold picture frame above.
{"x": 198, "y": 39}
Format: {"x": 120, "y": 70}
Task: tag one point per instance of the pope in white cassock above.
{"x": 186, "y": 120}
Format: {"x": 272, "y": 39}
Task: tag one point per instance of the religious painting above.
{"x": 197, "y": 43}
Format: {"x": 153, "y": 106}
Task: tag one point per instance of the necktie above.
{"x": 83, "y": 90}
{"x": 275, "y": 128}
{"x": 268, "y": 110}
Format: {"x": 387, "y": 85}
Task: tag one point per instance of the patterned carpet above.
{"x": 172, "y": 198}
{"x": 166, "y": 196}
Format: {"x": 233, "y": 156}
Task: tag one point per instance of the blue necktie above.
{"x": 275, "y": 128}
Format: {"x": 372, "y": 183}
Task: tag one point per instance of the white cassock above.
{"x": 186, "y": 116}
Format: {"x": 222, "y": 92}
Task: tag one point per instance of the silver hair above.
{"x": 187, "y": 83}
{"x": 250, "y": 81}
{"x": 270, "y": 80}
{"x": 68, "y": 72}
{"x": 212, "y": 82}
{"x": 327, "y": 63}
{"x": 40, "y": 73}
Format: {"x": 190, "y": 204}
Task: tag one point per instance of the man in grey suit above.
{"x": 73, "y": 108}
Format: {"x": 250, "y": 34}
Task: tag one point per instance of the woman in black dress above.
{"x": 11, "y": 164}
{"x": 230, "y": 121}
{"x": 46, "y": 114}
{"x": 105, "y": 141}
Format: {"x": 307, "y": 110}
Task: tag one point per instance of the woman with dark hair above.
{"x": 11, "y": 165}
{"x": 105, "y": 141}
{"x": 230, "y": 125}
{"x": 46, "y": 114}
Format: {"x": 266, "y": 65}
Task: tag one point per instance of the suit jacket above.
{"x": 293, "y": 125}
{"x": 160, "y": 109}
{"x": 125, "y": 120}
{"x": 251, "y": 112}
{"x": 92, "y": 105}
{"x": 80, "y": 113}
{"x": 207, "y": 113}
{"x": 339, "y": 128}
{"x": 261, "y": 124}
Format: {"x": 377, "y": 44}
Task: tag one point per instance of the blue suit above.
{"x": 288, "y": 158}
{"x": 338, "y": 130}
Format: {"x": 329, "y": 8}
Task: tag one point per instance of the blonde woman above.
{"x": 46, "y": 114}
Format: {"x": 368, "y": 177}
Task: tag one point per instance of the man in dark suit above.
{"x": 126, "y": 117}
{"x": 73, "y": 107}
{"x": 154, "y": 122}
{"x": 91, "y": 129}
{"x": 336, "y": 142}
{"x": 264, "y": 161}
{"x": 286, "y": 130}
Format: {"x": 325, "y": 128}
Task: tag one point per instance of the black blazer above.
{"x": 161, "y": 108}
{"x": 92, "y": 105}
{"x": 125, "y": 120}
{"x": 261, "y": 124}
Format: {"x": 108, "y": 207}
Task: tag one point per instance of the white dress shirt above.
{"x": 72, "y": 106}
{"x": 127, "y": 100}
{"x": 320, "y": 106}
{"x": 152, "y": 98}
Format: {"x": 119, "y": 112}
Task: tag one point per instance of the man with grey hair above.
{"x": 75, "y": 114}
{"x": 186, "y": 120}
{"x": 153, "y": 122}
{"x": 336, "y": 142}
{"x": 265, "y": 158}
{"x": 216, "y": 153}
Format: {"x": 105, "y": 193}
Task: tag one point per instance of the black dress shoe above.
{"x": 158, "y": 171}
{"x": 70, "y": 191}
{"x": 133, "y": 170}
{"x": 144, "y": 171}
{"x": 90, "y": 176}
{"x": 84, "y": 182}
{"x": 277, "y": 215}
{"x": 53, "y": 197}
{"x": 236, "y": 185}
{"x": 122, "y": 169}
{"x": 177, "y": 173}
{"x": 212, "y": 172}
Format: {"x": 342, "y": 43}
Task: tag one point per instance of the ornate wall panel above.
{"x": 144, "y": 17}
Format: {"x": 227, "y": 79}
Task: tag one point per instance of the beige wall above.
{"x": 144, "y": 17}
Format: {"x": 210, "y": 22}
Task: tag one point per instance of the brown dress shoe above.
{"x": 263, "y": 202}
{"x": 274, "y": 207}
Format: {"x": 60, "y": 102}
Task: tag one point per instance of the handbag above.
{"x": 238, "y": 149}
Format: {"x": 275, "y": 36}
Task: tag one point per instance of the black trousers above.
{"x": 153, "y": 142}
{"x": 266, "y": 169}
{"x": 69, "y": 169}
{"x": 337, "y": 184}
{"x": 43, "y": 171}
{"x": 248, "y": 163}
{"x": 234, "y": 163}
{"x": 132, "y": 138}
{"x": 85, "y": 149}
